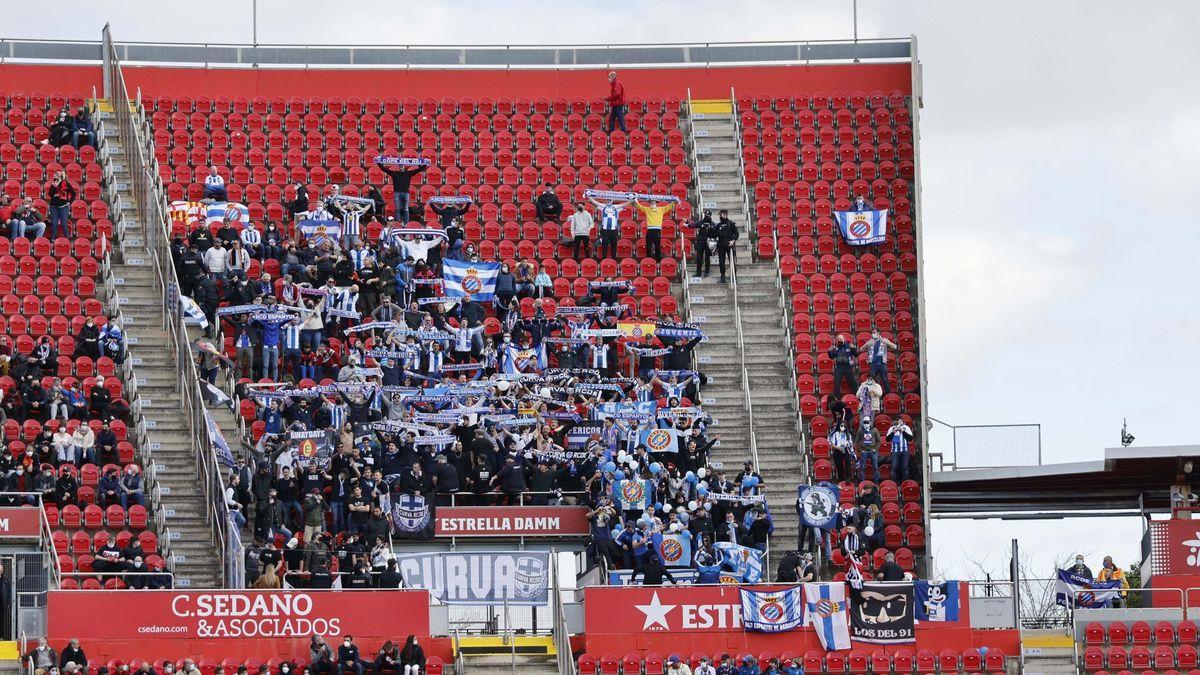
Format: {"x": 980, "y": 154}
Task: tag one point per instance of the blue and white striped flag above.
{"x": 774, "y": 611}
{"x": 827, "y": 611}
{"x": 221, "y": 211}
{"x": 476, "y": 279}
{"x": 192, "y": 314}
{"x": 320, "y": 230}
{"x": 863, "y": 227}
{"x": 742, "y": 562}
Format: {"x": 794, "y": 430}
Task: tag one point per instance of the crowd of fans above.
{"x": 464, "y": 401}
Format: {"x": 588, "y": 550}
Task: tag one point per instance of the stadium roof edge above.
{"x": 466, "y": 56}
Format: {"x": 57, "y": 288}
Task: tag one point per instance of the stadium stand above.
{"x": 806, "y": 157}
{"x": 66, "y": 429}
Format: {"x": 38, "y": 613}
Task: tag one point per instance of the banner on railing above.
{"x": 478, "y": 578}
{"x": 511, "y": 521}
{"x": 218, "y": 614}
{"x": 883, "y": 614}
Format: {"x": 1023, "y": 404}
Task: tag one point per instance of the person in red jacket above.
{"x": 60, "y": 193}
{"x": 616, "y": 102}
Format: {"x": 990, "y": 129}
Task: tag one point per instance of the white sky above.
{"x": 1060, "y": 141}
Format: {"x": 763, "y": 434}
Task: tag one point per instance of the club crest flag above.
{"x": 1071, "y": 588}
{"x": 659, "y": 440}
{"x": 631, "y": 494}
{"x": 636, "y": 329}
{"x": 936, "y": 602}
{"x": 826, "y": 610}
{"x": 818, "y": 505}
{"x": 883, "y": 614}
{"x": 320, "y": 230}
{"x": 674, "y": 549}
{"x": 774, "y": 611}
{"x": 743, "y": 563}
{"x": 474, "y": 279}
{"x": 860, "y": 228}
{"x": 412, "y": 516}
{"x": 219, "y": 212}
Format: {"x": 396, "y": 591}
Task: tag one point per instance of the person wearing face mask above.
{"x": 1081, "y": 568}
{"x": 877, "y": 358}
{"x": 412, "y": 657}
{"x": 1110, "y": 572}
{"x": 348, "y": 656}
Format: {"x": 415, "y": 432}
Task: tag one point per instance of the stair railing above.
{"x": 151, "y": 203}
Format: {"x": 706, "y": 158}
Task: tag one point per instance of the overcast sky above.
{"x": 1060, "y": 150}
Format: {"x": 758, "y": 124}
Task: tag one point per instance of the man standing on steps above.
{"x": 845, "y": 362}
{"x": 704, "y": 243}
{"x": 726, "y": 234}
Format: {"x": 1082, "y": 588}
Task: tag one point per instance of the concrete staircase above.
{"x": 764, "y": 347}
{"x": 168, "y": 455}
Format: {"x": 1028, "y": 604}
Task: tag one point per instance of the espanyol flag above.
{"x": 659, "y": 440}
{"x": 220, "y": 445}
{"x": 474, "y": 279}
{"x": 412, "y": 516}
{"x": 674, "y": 549}
{"x": 772, "y": 612}
{"x": 818, "y": 505}
{"x": 936, "y": 602}
{"x": 320, "y": 230}
{"x": 632, "y": 494}
{"x": 863, "y": 227}
{"x": 826, "y": 610}
{"x": 743, "y": 563}
{"x": 1074, "y": 589}
{"x": 192, "y": 314}
{"x": 221, "y": 211}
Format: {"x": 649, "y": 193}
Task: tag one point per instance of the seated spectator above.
{"x": 349, "y": 657}
{"x": 412, "y": 657}
{"x": 214, "y": 186}
{"x": 549, "y": 206}
{"x": 82, "y": 131}
{"x": 61, "y": 131}
{"x": 131, "y": 487}
{"x": 388, "y": 659}
{"x": 26, "y": 221}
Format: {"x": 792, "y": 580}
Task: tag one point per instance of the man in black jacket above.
{"x": 390, "y": 577}
{"x": 652, "y": 572}
{"x": 549, "y": 206}
{"x": 401, "y": 182}
{"x": 704, "y": 234}
{"x": 845, "y": 364}
{"x": 207, "y": 296}
{"x": 300, "y": 203}
{"x": 348, "y": 656}
{"x": 445, "y": 479}
{"x": 726, "y": 234}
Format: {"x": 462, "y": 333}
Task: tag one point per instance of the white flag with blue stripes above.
{"x": 774, "y": 611}
{"x": 474, "y": 279}
{"x": 827, "y": 611}
{"x": 863, "y": 227}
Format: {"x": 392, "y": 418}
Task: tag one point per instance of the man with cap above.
{"x": 704, "y": 243}
{"x": 705, "y": 667}
{"x": 726, "y": 666}
{"x": 749, "y": 666}
{"x": 676, "y": 666}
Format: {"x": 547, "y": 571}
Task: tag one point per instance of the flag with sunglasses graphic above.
{"x": 882, "y": 614}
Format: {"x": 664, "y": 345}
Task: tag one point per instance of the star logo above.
{"x": 656, "y": 613}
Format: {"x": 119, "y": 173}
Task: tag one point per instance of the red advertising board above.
{"x": 1175, "y": 547}
{"x": 510, "y": 521}
{"x": 220, "y": 622}
{"x": 20, "y": 523}
{"x": 686, "y": 619}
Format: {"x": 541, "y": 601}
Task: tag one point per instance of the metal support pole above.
{"x": 254, "y": 29}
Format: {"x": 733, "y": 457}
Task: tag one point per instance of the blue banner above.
{"x": 818, "y": 505}
{"x": 1081, "y": 591}
{"x": 674, "y": 549}
{"x": 483, "y": 579}
{"x": 474, "y": 279}
{"x": 773, "y": 611}
{"x": 742, "y": 562}
{"x": 936, "y": 602}
{"x": 632, "y": 494}
{"x": 412, "y": 516}
{"x": 659, "y": 440}
{"x": 320, "y": 230}
{"x": 860, "y": 228}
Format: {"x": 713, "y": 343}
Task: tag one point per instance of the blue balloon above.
{"x": 658, "y": 506}
{"x": 655, "y": 468}
{"x": 749, "y": 481}
{"x": 690, "y": 477}
{"x": 983, "y": 651}
{"x": 702, "y": 491}
{"x": 618, "y": 526}
{"x": 610, "y": 467}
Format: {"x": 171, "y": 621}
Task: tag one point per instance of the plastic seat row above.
{"x": 1140, "y": 633}
{"x": 821, "y": 100}
{"x": 1161, "y": 657}
{"x": 409, "y": 105}
{"x": 813, "y": 661}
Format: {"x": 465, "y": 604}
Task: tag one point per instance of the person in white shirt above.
{"x": 214, "y": 186}
{"x": 216, "y": 261}
{"x": 419, "y": 249}
{"x": 704, "y": 667}
{"x": 581, "y": 229}
{"x": 251, "y": 239}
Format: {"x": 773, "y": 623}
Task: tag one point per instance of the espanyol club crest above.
{"x": 860, "y": 226}
{"x": 658, "y": 440}
{"x": 471, "y": 284}
{"x": 818, "y": 505}
{"x": 826, "y": 608}
{"x": 671, "y": 550}
{"x": 410, "y": 513}
{"x": 633, "y": 491}
{"x": 771, "y": 610}
{"x": 531, "y": 577}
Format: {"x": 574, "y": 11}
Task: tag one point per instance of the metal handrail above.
{"x": 150, "y": 201}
